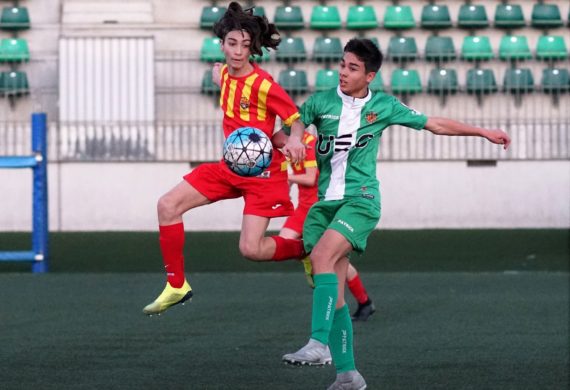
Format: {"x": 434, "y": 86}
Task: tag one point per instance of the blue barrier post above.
{"x": 38, "y": 162}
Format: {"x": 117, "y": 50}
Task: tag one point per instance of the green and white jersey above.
{"x": 349, "y": 130}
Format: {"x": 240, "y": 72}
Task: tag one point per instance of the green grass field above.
{"x": 432, "y": 331}
{"x": 456, "y": 310}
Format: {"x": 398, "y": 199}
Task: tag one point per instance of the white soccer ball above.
{"x": 248, "y": 151}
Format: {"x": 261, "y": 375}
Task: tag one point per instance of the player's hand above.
{"x": 294, "y": 149}
{"x": 499, "y": 137}
{"x": 216, "y": 76}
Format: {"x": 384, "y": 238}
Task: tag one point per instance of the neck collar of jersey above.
{"x": 354, "y": 100}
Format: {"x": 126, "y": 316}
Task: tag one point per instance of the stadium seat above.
{"x": 361, "y": 17}
{"x": 406, "y": 81}
{"x": 211, "y": 50}
{"x": 442, "y": 82}
{"x": 472, "y": 16}
{"x": 399, "y": 17}
{"x": 13, "y": 84}
{"x": 402, "y": 49}
{"x": 326, "y": 79}
{"x": 210, "y": 15}
{"x": 259, "y": 10}
{"x": 476, "y": 48}
{"x": 289, "y": 18}
{"x": 481, "y": 81}
{"x": 440, "y": 49}
{"x": 377, "y": 84}
{"x": 546, "y": 16}
{"x": 514, "y": 47}
{"x": 291, "y": 49}
{"x": 15, "y": 19}
{"x": 262, "y": 58}
{"x": 325, "y": 18}
{"x": 294, "y": 81}
{"x": 509, "y": 16}
{"x": 435, "y": 17}
{"x": 375, "y": 41}
{"x": 14, "y": 50}
{"x": 551, "y": 47}
{"x": 555, "y": 80}
{"x": 518, "y": 81}
{"x": 327, "y": 49}
{"x": 208, "y": 86}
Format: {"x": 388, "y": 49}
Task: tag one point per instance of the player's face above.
{"x": 353, "y": 79}
{"x": 235, "y": 47}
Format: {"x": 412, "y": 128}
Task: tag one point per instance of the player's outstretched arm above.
{"x": 294, "y": 148}
{"x": 446, "y": 126}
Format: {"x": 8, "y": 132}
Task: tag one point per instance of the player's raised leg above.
{"x": 365, "y": 305}
{"x": 171, "y": 207}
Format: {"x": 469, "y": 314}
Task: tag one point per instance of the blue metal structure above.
{"x": 38, "y": 163}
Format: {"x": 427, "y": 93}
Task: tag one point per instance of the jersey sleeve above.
{"x": 308, "y": 111}
{"x": 281, "y": 104}
{"x": 406, "y": 116}
{"x": 311, "y": 152}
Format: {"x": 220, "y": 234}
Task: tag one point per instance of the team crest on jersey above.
{"x": 371, "y": 117}
{"x": 244, "y": 103}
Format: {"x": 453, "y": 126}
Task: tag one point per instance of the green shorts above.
{"x": 354, "y": 218}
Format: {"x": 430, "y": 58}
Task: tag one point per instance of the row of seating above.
{"x": 14, "y": 50}
{"x": 400, "y": 17}
{"x": 14, "y": 18}
{"x": 440, "y": 81}
{"x": 474, "y": 48}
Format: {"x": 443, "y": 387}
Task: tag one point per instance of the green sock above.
{"x": 324, "y": 301}
{"x": 340, "y": 341}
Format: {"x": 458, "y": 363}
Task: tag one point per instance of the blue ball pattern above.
{"x": 248, "y": 151}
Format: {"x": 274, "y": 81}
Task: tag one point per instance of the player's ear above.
{"x": 370, "y": 76}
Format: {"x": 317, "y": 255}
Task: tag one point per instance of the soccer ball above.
{"x": 248, "y": 151}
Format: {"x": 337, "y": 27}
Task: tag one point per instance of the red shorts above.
{"x": 264, "y": 197}
{"x": 295, "y": 222}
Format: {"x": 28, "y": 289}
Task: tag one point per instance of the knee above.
{"x": 166, "y": 207}
{"x": 250, "y": 251}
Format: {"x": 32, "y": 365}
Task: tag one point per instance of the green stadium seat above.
{"x": 377, "y": 84}
{"x": 327, "y": 49}
{"x": 210, "y": 15}
{"x": 546, "y": 16}
{"x": 518, "y": 81}
{"x": 291, "y": 49}
{"x": 442, "y": 82}
{"x": 405, "y": 81}
{"x": 326, "y": 79}
{"x": 208, "y": 86}
{"x": 402, "y": 49}
{"x": 375, "y": 41}
{"x": 514, "y": 47}
{"x": 294, "y": 81}
{"x": 509, "y": 16}
{"x": 435, "y": 17}
{"x": 399, "y": 17}
{"x": 472, "y": 16}
{"x": 14, "y": 84}
{"x": 262, "y": 58}
{"x": 440, "y": 49}
{"x": 361, "y": 17}
{"x": 476, "y": 48}
{"x": 289, "y": 18}
{"x": 14, "y": 50}
{"x": 481, "y": 81}
{"x": 325, "y": 18}
{"x": 14, "y": 19}
{"x": 551, "y": 47}
{"x": 211, "y": 50}
{"x": 555, "y": 81}
{"x": 259, "y": 10}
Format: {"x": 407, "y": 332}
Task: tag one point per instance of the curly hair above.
{"x": 261, "y": 32}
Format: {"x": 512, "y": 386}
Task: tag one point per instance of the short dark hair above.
{"x": 367, "y": 52}
{"x": 262, "y": 33}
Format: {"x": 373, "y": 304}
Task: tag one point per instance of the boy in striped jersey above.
{"x": 249, "y": 97}
{"x": 350, "y": 120}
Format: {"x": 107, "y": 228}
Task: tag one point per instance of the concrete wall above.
{"x": 91, "y": 197}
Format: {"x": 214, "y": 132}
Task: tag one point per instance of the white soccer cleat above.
{"x": 314, "y": 353}
{"x": 349, "y": 380}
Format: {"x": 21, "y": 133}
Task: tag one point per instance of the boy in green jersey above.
{"x": 350, "y": 120}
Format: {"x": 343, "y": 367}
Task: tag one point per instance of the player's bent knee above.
{"x": 166, "y": 208}
{"x": 250, "y": 252}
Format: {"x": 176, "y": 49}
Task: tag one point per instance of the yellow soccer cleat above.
{"x": 308, "y": 271}
{"x": 170, "y": 296}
